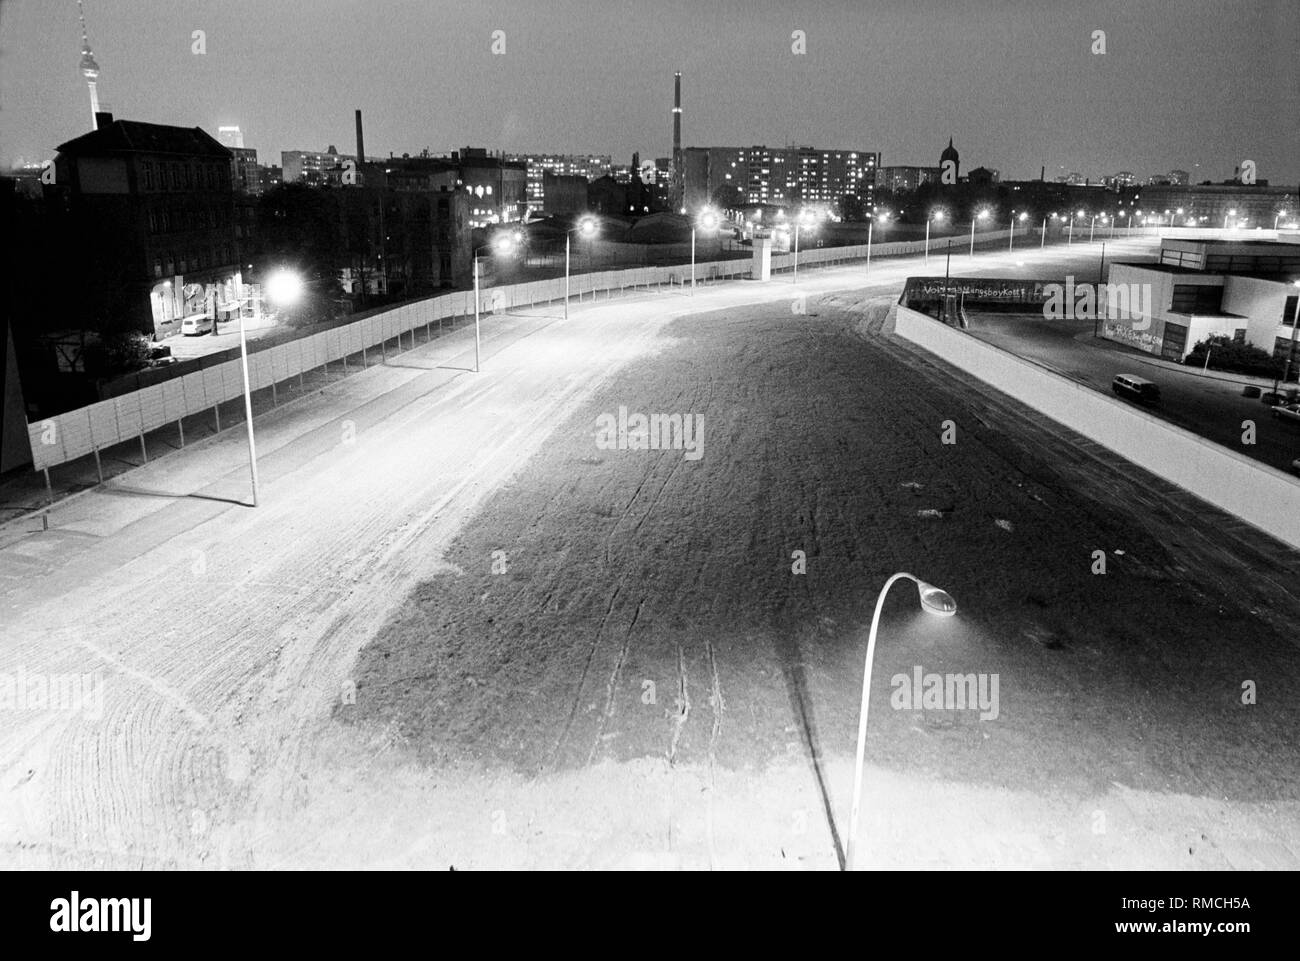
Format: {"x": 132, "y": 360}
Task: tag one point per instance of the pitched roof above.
{"x": 134, "y": 136}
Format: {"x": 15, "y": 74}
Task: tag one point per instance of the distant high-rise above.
{"x": 780, "y": 175}
{"x": 89, "y": 68}
{"x": 230, "y": 137}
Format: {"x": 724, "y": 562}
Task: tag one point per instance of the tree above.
{"x": 852, "y": 209}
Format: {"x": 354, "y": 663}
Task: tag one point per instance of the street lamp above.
{"x": 1092, "y": 225}
{"x": 1011, "y": 238}
{"x": 803, "y": 220}
{"x": 871, "y": 226}
{"x": 938, "y": 215}
{"x": 1230, "y": 213}
{"x": 933, "y": 601}
{"x": 1079, "y": 213}
{"x": 586, "y": 227}
{"x": 1043, "y": 243}
{"x": 982, "y": 215}
{"x": 502, "y": 243}
{"x": 284, "y": 287}
{"x": 708, "y": 221}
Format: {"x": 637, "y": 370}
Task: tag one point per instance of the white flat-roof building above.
{"x": 1245, "y": 290}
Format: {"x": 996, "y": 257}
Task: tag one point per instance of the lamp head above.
{"x": 936, "y": 601}
{"x": 284, "y": 287}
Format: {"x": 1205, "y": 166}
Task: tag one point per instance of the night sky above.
{"x": 1183, "y": 83}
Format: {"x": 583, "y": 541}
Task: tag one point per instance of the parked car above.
{"x": 1289, "y": 412}
{"x": 193, "y": 326}
{"x": 1136, "y": 388}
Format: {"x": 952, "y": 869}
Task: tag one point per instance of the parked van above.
{"x": 1136, "y": 388}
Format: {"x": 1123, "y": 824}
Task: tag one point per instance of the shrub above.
{"x": 1227, "y": 354}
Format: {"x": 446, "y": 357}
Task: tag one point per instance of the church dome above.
{"x": 949, "y": 153}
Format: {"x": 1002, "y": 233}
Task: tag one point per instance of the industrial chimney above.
{"x": 679, "y": 173}
{"x": 361, "y": 142}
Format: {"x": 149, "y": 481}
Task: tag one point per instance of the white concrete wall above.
{"x": 57, "y": 440}
{"x": 1255, "y": 492}
{"x": 1262, "y": 302}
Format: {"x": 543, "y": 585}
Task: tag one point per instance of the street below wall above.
{"x": 1211, "y": 407}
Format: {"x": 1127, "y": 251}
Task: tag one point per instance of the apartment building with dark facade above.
{"x": 148, "y": 216}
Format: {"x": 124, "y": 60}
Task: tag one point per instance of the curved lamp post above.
{"x": 586, "y": 227}
{"x": 503, "y": 243}
{"x": 933, "y": 601}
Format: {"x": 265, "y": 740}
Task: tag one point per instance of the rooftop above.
{"x": 134, "y": 136}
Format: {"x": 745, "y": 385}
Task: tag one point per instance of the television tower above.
{"x": 89, "y": 69}
{"x": 678, "y": 172}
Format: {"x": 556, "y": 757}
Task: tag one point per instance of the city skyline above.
{"x": 941, "y": 70}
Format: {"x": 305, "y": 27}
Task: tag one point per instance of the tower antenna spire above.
{"x": 89, "y": 68}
